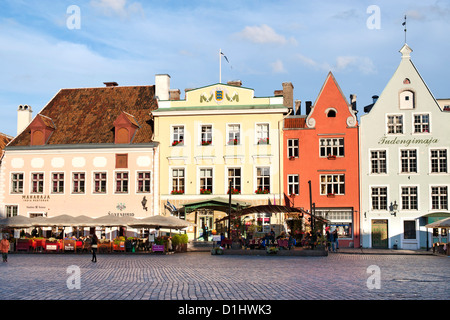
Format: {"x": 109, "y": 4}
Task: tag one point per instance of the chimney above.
{"x": 174, "y": 94}
{"x": 374, "y": 99}
{"x": 278, "y": 93}
{"x": 297, "y": 107}
{"x": 24, "y": 117}
{"x": 237, "y": 83}
{"x": 353, "y": 101}
{"x": 288, "y": 94}
{"x": 308, "y": 107}
{"x": 110, "y": 84}
{"x": 162, "y": 83}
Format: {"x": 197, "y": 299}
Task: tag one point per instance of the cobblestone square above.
{"x": 201, "y": 276}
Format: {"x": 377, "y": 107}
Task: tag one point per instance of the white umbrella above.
{"x": 114, "y": 221}
{"x": 16, "y": 222}
{"x": 63, "y": 220}
{"x": 160, "y": 221}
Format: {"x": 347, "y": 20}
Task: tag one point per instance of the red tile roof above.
{"x": 4, "y": 140}
{"x": 83, "y": 116}
{"x": 294, "y": 123}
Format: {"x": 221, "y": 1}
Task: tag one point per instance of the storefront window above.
{"x": 341, "y": 220}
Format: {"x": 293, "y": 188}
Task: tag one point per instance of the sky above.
{"x": 49, "y": 45}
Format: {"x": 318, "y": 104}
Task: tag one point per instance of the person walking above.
{"x": 94, "y": 242}
{"x": 4, "y": 247}
{"x": 335, "y": 243}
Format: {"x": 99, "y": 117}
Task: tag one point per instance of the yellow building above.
{"x": 217, "y": 134}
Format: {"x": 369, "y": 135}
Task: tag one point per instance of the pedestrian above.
{"x": 335, "y": 242}
{"x": 4, "y": 247}
{"x": 329, "y": 239}
{"x": 94, "y": 242}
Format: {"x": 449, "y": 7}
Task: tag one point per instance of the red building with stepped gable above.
{"x": 322, "y": 147}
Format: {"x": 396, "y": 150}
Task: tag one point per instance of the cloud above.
{"x": 264, "y": 34}
{"x": 278, "y": 67}
{"x": 342, "y": 64}
{"x": 118, "y": 7}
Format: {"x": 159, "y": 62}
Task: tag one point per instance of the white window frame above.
{"x": 292, "y": 184}
{"x": 431, "y": 197}
{"x": 72, "y": 184}
{"x": 101, "y": 179}
{"x": 227, "y": 185}
{"x": 201, "y": 133}
{"x": 292, "y": 150}
{"x": 409, "y": 159}
{"x": 200, "y": 169}
{"x": 386, "y": 162}
{"x": 128, "y": 183}
{"x": 260, "y": 134}
{"x": 172, "y": 134}
{"x": 431, "y": 162}
{"x": 338, "y": 183}
{"x": 12, "y": 191}
{"x": 323, "y": 144}
{"x": 171, "y": 186}
{"x": 31, "y": 184}
{"x": 256, "y": 178}
{"x": 150, "y": 180}
{"x": 413, "y": 123}
{"x": 64, "y": 182}
{"x": 371, "y": 198}
{"x": 401, "y": 204}
{"x": 394, "y": 124}
{"x": 228, "y": 132}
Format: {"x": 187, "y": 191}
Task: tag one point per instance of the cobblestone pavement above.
{"x": 201, "y": 276}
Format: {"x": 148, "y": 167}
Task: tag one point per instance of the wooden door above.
{"x": 380, "y": 234}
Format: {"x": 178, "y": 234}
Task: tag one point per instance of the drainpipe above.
{"x": 280, "y": 152}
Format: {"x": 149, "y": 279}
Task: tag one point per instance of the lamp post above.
{"x": 229, "y": 211}
{"x": 393, "y": 208}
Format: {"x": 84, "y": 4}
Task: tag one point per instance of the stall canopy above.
{"x": 63, "y": 220}
{"x": 444, "y": 223}
{"x": 16, "y": 222}
{"x": 159, "y": 221}
{"x": 114, "y": 221}
{"x": 218, "y": 204}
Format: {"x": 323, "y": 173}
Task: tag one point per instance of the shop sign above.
{"x": 407, "y": 142}
{"x": 35, "y": 197}
{"x": 121, "y": 214}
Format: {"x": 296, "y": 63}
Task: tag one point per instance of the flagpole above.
{"x": 220, "y": 65}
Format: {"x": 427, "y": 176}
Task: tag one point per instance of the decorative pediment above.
{"x": 125, "y": 127}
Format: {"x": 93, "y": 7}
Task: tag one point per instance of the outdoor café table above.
{"x": 38, "y": 244}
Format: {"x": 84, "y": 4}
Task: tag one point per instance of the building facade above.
{"x": 321, "y": 154}
{"x": 404, "y": 163}
{"x": 219, "y": 134}
{"x": 88, "y": 152}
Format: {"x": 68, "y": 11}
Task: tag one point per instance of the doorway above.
{"x": 380, "y": 234}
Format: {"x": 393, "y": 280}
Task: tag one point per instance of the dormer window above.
{"x": 125, "y": 128}
{"x": 41, "y": 128}
{"x": 406, "y": 99}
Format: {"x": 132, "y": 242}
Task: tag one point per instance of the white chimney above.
{"x": 24, "y": 117}
{"x": 162, "y": 83}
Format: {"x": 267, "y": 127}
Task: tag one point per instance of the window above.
{"x": 11, "y": 211}
{"x": 421, "y": 123}
{"x": 340, "y": 220}
{"x": 178, "y": 136}
{"x": 206, "y": 181}
{"x": 262, "y": 133}
{"x": 407, "y": 100}
{"x": 395, "y": 124}
{"x": 331, "y": 114}
{"x": 332, "y": 147}
{"x": 263, "y": 180}
{"x": 17, "y": 183}
{"x": 121, "y": 182}
{"x": 58, "y": 182}
{"x": 409, "y": 198}
{"x": 439, "y": 198}
{"x": 234, "y": 175}
{"x": 408, "y": 160}
{"x": 37, "y": 183}
{"x": 293, "y": 184}
{"x": 292, "y": 145}
{"x": 379, "y": 198}
{"x": 409, "y": 230}
{"x": 234, "y": 134}
{"x": 78, "y": 182}
{"x": 331, "y": 184}
{"x": 177, "y": 181}
{"x": 378, "y": 161}
{"x": 206, "y": 135}
{"x": 439, "y": 161}
{"x": 143, "y": 181}
{"x": 100, "y": 182}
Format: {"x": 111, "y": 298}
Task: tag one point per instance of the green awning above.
{"x": 218, "y": 204}
{"x": 436, "y": 216}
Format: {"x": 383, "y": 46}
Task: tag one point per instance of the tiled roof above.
{"x": 4, "y": 140}
{"x": 294, "y": 123}
{"x": 83, "y": 116}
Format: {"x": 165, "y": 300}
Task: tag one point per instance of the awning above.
{"x": 16, "y": 222}
{"x": 436, "y": 216}
{"x": 444, "y": 223}
{"x": 159, "y": 221}
{"x": 218, "y": 204}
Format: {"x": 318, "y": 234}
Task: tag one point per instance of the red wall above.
{"x": 309, "y": 165}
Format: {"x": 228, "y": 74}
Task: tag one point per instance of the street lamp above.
{"x": 393, "y": 208}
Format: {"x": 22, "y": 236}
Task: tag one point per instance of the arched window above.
{"x": 331, "y": 113}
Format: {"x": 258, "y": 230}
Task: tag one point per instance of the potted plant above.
{"x": 217, "y": 251}
{"x": 177, "y": 142}
{"x": 330, "y": 195}
{"x": 233, "y": 142}
{"x": 177, "y": 192}
{"x": 263, "y": 141}
{"x": 234, "y": 191}
{"x": 291, "y": 158}
{"x": 331, "y": 157}
{"x": 261, "y": 191}
{"x": 205, "y": 191}
{"x": 176, "y": 240}
{"x": 272, "y": 250}
{"x": 206, "y": 142}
